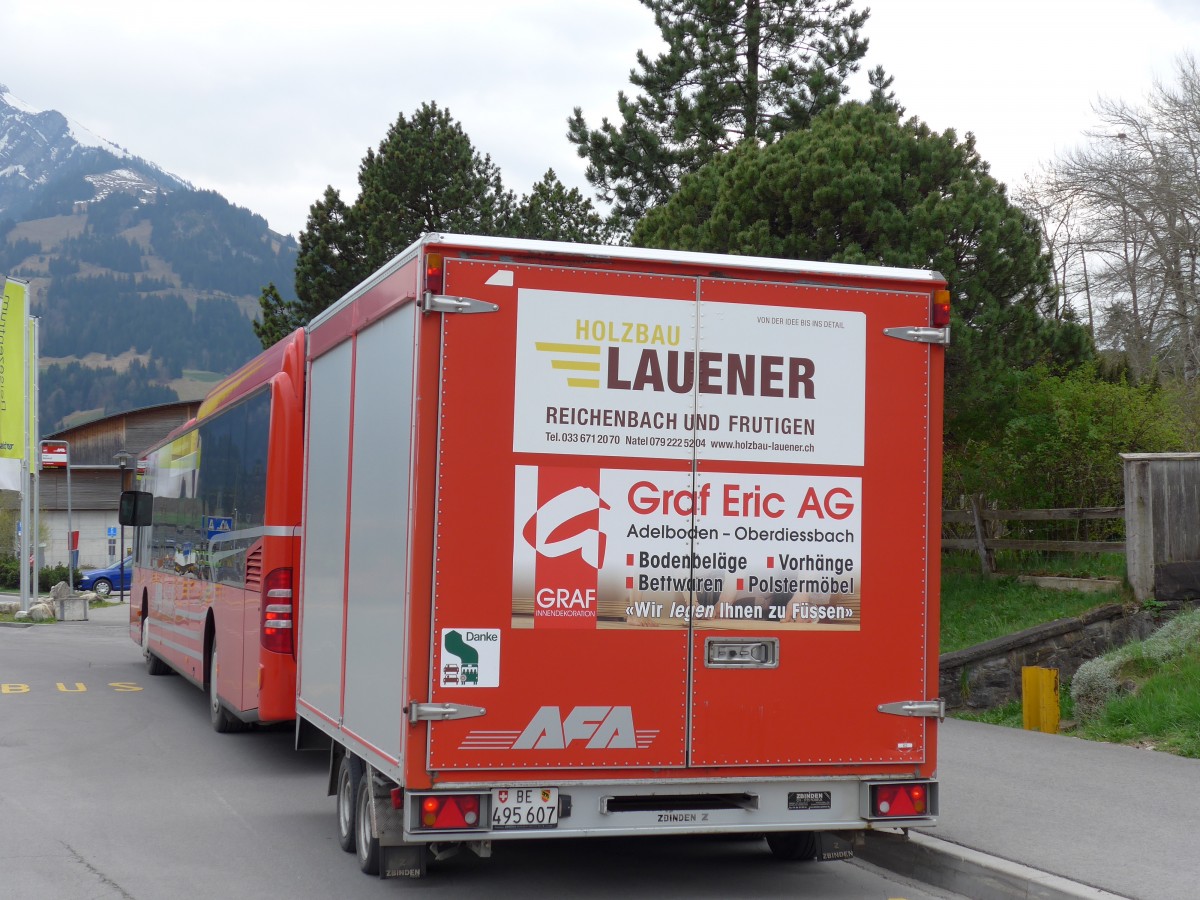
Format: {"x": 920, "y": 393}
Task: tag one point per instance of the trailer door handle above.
{"x": 924, "y": 708}
{"x": 920, "y": 334}
{"x": 741, "y": 653}
{"x": 440, "y": 712}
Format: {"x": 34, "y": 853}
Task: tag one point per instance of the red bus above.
{"x": 215, "y": 556}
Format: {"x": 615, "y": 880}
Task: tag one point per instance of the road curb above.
{"x": 969, "y": 872}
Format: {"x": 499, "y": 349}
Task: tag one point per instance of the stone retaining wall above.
{"x": 989, "y": 674}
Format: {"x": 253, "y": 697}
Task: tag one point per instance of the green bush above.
{"x": 1057, "y": 441}
{"x": 1103, "y": 679}
{"x": 10, "y": 575}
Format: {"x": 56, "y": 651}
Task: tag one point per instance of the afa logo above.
{"x": 580, "y": 728}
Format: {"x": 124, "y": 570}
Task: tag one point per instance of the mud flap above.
{"x": 403, "y": 861}
{"x": 397, "y": 858}
{"x": 836, "y": 844}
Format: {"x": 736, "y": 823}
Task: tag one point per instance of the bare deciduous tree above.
{"x": 1121, "y": 218}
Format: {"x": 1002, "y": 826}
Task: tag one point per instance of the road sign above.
{"x": 112, "y": 530}
{"x": 54, "y": 454}
{"x": 215, "y": 525}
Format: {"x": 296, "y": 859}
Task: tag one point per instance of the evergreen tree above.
{"x": 279, "y": 317}
{"x": 551, "y": 212}
{"x": 859, "y": 186}
{"x": 733, "y": 71}
{"x": 426, "y": 176}
{"x": 329, "y": 263}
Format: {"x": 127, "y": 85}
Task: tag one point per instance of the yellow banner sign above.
{"x": 13, "y": 311}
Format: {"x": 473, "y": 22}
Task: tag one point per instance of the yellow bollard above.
{"x": 1039, "y": 699}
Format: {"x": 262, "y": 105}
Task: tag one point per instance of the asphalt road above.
{"x": 114, "y": 786}
{"x": 1118, "y": 818}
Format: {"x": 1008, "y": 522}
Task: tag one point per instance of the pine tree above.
{"x": 734, "y": 71}
{"x": 427, "y": 176}
{"x": 860, "y": 186}
{"x": 550, "y": 212}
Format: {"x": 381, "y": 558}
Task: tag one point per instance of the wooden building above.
{"x": 96, "y": 480}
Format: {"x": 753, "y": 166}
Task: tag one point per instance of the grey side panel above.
{"x": 379, "y": 532}
{"x": 325, "y": 532}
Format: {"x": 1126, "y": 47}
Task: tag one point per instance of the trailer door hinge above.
{"x": 447, "y": 304}
{"x": 439, "y": 712}
{"x": 926, "y": 708}
{"x": 921, "y": 335}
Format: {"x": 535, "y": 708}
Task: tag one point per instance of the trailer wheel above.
{"x": 366, "y": 844}
{"x": 792, "y": 844}
{"x": 349, "y": 773}
{"x": 154, "y": 665}
{"x": 222, "y": 721}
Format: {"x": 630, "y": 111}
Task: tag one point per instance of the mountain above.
{"x": 146, "y": 287}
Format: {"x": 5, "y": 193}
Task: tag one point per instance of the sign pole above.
{"x": 35, "y": 533}
{"x": 71, "y": 537}
{"x": 23, "y": 524}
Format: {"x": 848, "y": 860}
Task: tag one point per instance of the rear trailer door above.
{"x": 657, "y": 500}
{"x": 813, "y": 452}
{"x": 538, "y": 618}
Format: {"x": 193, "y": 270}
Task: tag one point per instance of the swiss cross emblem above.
{"x": 504, "y": 796}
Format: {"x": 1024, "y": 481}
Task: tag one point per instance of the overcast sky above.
{"x": 269, "y": 102}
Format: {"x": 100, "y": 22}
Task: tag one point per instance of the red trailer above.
{"x": 608, "y": 541}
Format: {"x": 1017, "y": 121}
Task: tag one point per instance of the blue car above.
{"x": 105, "y": 581}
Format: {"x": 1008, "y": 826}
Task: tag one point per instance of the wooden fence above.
{"x": 985, "y": 524}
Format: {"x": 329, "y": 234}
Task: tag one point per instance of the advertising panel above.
{"x": 623, "y": 548}
{"x": 619, "y": 376}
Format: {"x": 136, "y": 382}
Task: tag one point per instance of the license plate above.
{"x": 525, "y": 808}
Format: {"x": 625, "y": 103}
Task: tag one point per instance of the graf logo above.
{"x": 600, "y": 727}
{"x": 569, "y": 523}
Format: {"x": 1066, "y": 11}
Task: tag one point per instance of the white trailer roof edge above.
{"x": 632, "y": 254}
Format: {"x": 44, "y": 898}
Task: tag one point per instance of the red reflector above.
{"x": 434, "y": 273}
{"x": 457, "y": 811}
{"x": 940, "y": 314}
{"x": 899, "y": 801}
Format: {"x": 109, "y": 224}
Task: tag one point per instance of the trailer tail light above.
{"x": 450, "y": 812}
{"x": 900, "y": 801}
{"x": 435, "y": 273}
{"x": 277, "y": 619}
{"x": 940, "y": 314}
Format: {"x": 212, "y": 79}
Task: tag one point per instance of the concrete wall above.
{"x": 989, "y": 674}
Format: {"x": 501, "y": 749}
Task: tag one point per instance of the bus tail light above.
{"x": 277, "y": 620}
{"x": 902, "y": 800}
{"x": 940, "y": 313}
{"x": 451, "y": 811}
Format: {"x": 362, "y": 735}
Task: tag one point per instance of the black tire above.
{"x": 366, "y": 845}
{"x": 792, "y": 845}
{"x": 349, "y": 773}
{"x": 103, "y": 588}
{"x": 154, "y": 665}
{"x": 222, "y": 721}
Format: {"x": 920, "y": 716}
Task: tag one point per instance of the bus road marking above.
{"x": 119, "y": 687}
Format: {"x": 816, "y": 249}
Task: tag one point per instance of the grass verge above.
{"x": 1153, "y": 700}
{"x": 977, "y": 609}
